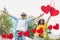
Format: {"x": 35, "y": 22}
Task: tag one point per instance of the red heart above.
{"x": 20, "y": 33}
{"x": 26, "y": 33}
{"x": 50, "y": 27}
{"x": 56, "y": 27}
{"x": 54, "y": 12}
{"x": 46, "y": 9}
{"x": 4, "y": 36}
{"x": 10, "y": 36}
{"x": 34, "y": 30}
{"x": 40, "y": 31}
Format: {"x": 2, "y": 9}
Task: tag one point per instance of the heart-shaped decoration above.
{"x": 4, "y": 36}
{"x": 50, "y": 27}
{"x": 54, "y": 12}
{"x": 26, "y": 33}
{"x": 10, "y": 36}
{"x": 34, "y": 30}
{"x": 46, "y": 9}
{"x": 56, "y": 27}
{"x": 20, "y": 33}
{"x": 40, "y": 31}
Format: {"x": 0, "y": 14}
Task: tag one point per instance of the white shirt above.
{"x": 21, "y": 25}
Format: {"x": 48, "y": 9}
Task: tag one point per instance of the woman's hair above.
{"x": 39, "y": 22}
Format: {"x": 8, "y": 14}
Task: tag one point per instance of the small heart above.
{"x": 20, "y": 33}
{"x": 4, "y": 36}
{"x": 56, "y": 27}
{"x": 10, "y": 36}
{"x": 54, "y": 12}
{"x": 26, "y": 33}
{"x": 34, "y": 30}
{"x": 46, "y": 9}
{"x": 50, "y": 27}
{"x": 40, "y": 31}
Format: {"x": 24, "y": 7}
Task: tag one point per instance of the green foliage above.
{"x": 5, "y": 24}
{"x": 31, "y": 26}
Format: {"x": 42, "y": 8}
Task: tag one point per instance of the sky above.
{"x": 32, "y": 8}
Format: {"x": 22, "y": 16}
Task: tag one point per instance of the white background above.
{"x": 31, "y": 7}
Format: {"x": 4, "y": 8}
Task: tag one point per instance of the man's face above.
{"x": 23, "y": 16}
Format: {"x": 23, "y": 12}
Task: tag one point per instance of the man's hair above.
{"x": 23, "y": 13}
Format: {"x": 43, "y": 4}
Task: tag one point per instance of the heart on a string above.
{"x": 20, "y": 33}
{"x": 4, "y": 36}
{"x": 10, "y": 36}
{"x": 40, "y": 31}
{"x": 34, "y": 30}
{"x": 54, "y": 12}
{"x": 26, "y": 33}
{"x": 50, "y": 27}
{"x": 46, "y": 9}
{"x": 56, "y": 27}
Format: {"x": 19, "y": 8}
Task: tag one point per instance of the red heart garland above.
{"x": 50, "y": 27}
{"x": 20, "y": 33}
{"x": 26, "y": 33}
{"x": 40, "y": 31}
{"x": 4, "y": 36}
{"x": 10, "y": 36}
{"x": 56, "y": 27}
{"x": 54, "y": 12}
{"x": 34, "y": 30}
{"x": 46, "y": 9}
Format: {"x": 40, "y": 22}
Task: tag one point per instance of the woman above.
{"x": 41, "y": 28}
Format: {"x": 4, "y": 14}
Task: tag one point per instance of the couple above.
{"x": 22, "y": 24}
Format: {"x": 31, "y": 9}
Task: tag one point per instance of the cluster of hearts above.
{"x": 27, "y": 33}
{"x": 52, "y": 10}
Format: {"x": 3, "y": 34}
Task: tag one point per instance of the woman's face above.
{"x": 41, "y": 21}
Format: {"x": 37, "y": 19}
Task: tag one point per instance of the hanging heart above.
{"x": 40, "y": 31}
{"x": 50, "y": 27}
{"x": 10, "y": 36}
{"x": 4, "y": 36}
{"x": 46, "y": 9}
{"x": 34, "y": 30}
{"x": 54, "y": 12}
{"x": 20, "y": 33}
{"x": 56, "y": 27}
{"x": 26, "y": 33}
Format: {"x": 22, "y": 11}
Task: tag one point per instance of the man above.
{"x": 22, "y": 24}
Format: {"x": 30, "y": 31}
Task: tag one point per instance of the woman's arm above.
{"x": 48, "y": 19}
{"x": 31, "y": 19}
{"x": 39, "y": 16}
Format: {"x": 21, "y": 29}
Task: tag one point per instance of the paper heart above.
{"x": 54, "y": 12}
{"x": 50, "y": 27}
{"x": 56, "y": 27}
{"x": 26, "y": 33}
{"x": 40, "y": 31}
{"x": 4, "y": 36}
{"x": 46, "y": 9}
{"x": 34, "y": 30}
{"x": 20, "y": 33}
{"x": 10, "y": 36}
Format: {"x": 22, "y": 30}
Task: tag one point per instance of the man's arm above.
{"x": 6, "y": 12}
